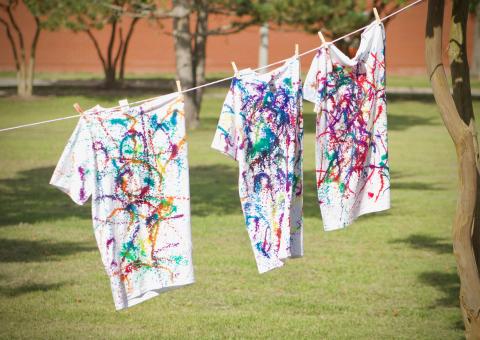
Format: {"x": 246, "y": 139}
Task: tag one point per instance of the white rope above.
{"x": 224, "y": 79}
{"x": 38, "y": 123}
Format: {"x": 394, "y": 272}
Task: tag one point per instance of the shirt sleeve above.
{"x": 315, "y": 81}
{"x": 225, "y": 139}
{"x": 75, "y": 169}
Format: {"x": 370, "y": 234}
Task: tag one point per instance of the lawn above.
{"x": 394, "y": 81}
{"x": 389, "y": 275}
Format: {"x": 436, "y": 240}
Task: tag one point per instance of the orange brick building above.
{"x": 151, "y": 49}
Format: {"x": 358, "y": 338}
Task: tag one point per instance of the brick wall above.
{"x": 151, "y": 50}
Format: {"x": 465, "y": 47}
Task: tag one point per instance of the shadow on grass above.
{"x": 209, "y": 124}
{"x": 415, "y": 186}
{"x": 399, "y": 182}
{"x": 15, "y": 250}
{"x": 395, "y": 122}
{"x": 447, "y": 283}
{"x": 214, "y": 190}
{"x": 310, "y": 198}
{"x": 29, "y": 288}
{"x": 29, "y": 198}
{"x": 405, "y": 121}
{"x": 418, "y": 241}
{"x": 419, "y": 97}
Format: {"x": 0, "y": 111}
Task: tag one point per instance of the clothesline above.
{"x": 227, "y": 78}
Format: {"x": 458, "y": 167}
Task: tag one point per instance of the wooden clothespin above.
{"x": 322, "y": 38}
{"x": 297, "y": 49}
{"x": 179, "y": 87}
{"x": 77, "y": 108}
{"x": 235, "y": 69}
{"x": 377, "y": 17}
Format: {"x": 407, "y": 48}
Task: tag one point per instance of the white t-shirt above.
{"x": 134, "y": 165}
{"x": 353, "y": 176}
{"x": 261, "y": 127}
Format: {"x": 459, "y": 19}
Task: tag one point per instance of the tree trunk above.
{"x": 22, "y": 63}
{"x": 200, "y": 51}
{"x": 110, "y": 71}
{"x": 462, "y": 95}
{"x": 109, "y": 62}
{"x": 22, "y": 79}
{"x": 457, "y": 51}
{"x": 263, "y": 47}
{"x": 476, "y": 45}
{"x": 13, "y": 46}
{"x": 30, "y": 76}
{"x": 183, "y": 56}
{"x": 463, "y": 138}
{"x": 110, "y": 80}
{"x": 99, "y": 52}
{"x": 125, "y": 48}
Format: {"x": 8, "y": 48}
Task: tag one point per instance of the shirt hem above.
{"x": 67, "y": 191}
{"x": 152, "y": 292}
{"x": 280, "y": 264}
{"x": 276, "y": 266}
{"x": 362, "y": 212}
{"x": 221, "y": 150}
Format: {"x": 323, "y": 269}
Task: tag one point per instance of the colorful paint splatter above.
{"x": 261, "y": 127}
{"x": 134, "y": 165}
{"x": 351, "y": 158}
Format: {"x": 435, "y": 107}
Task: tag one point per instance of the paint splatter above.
{"x": 134, "y": 164}
{"x": 351, "y": 157}
{"x": 261, "y": 126}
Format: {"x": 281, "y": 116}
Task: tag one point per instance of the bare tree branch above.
{"x": 17, "y": 29}
{"x": 36, "y": 37}
{"x": 12, "y": 43}
{"x": 120, "y": 48}
{"x": 33, "y": 50}
{"x": 111, "y": 42}
{"x": 97, "y": 48}
{"x": 125, "y": 47}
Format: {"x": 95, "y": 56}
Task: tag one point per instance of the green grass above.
{"x": 389, "y": 275}
{"x": 56, "y": 75}
{"x": 420, "y": 81}
{"x": 98, "y": 76}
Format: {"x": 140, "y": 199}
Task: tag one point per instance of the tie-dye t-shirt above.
{"x": 261, "y": 127}
{"x": 351, "y": 140}
{"x": 134, "y": 165}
